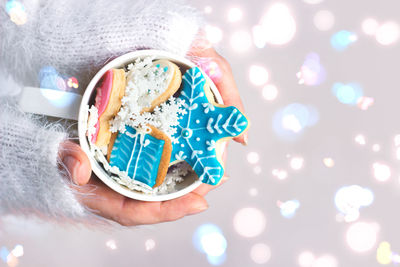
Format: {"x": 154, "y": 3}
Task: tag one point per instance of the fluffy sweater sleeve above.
{"x": 77, "y": 38}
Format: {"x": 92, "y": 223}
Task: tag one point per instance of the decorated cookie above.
{"x": 202, "y": 128}
{"x": 143, "y": 156}
{"x": 140, "y": 126}
{"x": 151, "y": 83}
{"x": 108, "y": 102}
{"x": 173, "y": 81}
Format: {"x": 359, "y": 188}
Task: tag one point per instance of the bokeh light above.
{"x": 16, "y": 11}
{"x": 384, "y": 253}
{"x": 73, "y": 83}
{"x": 208, "y": 9}
{"x": 324, "y": 20}
{"x": 306, "y": 259}
{"x": 149, "y": 244}
{"x": 370, "y": 26}
{"x": 349, "y": 200}
{"x": 214, "y": 34}
{"x": 328, "y": 162}
{"x": 235, "y": 14}
{"x": 288, "y": 208}
{"x": 270, "y": 92}
{"x": 311, "y": 72}
{"x": 296, "y": 163}
{"x": 241, "y": 41}
{"x": 364, "y": 103}
{"x": 276, "y": 27}
{"x": 216, "y": 260}
{"x": 257, "y": 169}
{"x": 253, "y": 192}
{"x": 388, "y": 33}
{"x": 382, "y": 172}
{"x": 258, "y": 75}
{"x": 260, "y": 253}
{"x": 397, "y": 140}
{"x": 253, "y": 157}
{"x": 342, "y": 40}
{"x": 249, "y": 222}
{"x": 325, "y": 261}
{"x": 209, "y": 239}
{"x": 54, "y": 88}
{"x": 11, "y": 258}
{"x": 360, "y": 139}
{"x": 50, "y": 79}
{"x": 280, "y": 174}
{"x": 111, "y": 244}
{"x": 362, "y": 236}
{"x": 259, "y": 38}
{"x": 293, "y": 119}
{"x": 18, "y": 251}
{"x": 347, "y": 93}
{"x": 210, "y": 67}
{"x": 4, "y": 252}
{"x": 313, "y": 2}
{"x": 12, "y": 261}
{"x": 376, "y": 147}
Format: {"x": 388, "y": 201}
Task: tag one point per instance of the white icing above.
{"x": 93, "y": 118}
{"x": 211, "y": 145}
{"x": 122, "y": 177}
{"x": 145, "y": 82}
{"x": 209, "y": 128}
{"x": 174, "y": 176}
{"x": 207, "y": 107}
{"x": 216, "y": 127}
{"x": 226, "y": 124}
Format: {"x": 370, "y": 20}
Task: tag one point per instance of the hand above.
{"x": 114, "y": 206}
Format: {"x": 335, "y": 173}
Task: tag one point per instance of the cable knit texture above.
{"x": 77, "y": 38}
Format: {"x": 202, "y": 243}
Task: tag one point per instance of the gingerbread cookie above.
{"x": 174, "y": 80}
{"x": 143, "y": 156}
{"x": 108, "y": 102}
{"x": 203, "y": 128}
{"x": 154, "y": 82}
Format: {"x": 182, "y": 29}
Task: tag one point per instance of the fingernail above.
{"x": 72, "y": 165}
{"x": 198, "y": 209}
{"x": 245, "y": 139}
{"x": 225, "y": 178}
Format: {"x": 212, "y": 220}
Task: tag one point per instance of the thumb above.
{"x": 76, "y": 162}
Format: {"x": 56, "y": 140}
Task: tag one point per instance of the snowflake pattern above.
{"x": 201, "y": 127}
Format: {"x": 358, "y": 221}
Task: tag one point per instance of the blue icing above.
{"x": 201, "y": 127}
{"x": 137, "y": 154}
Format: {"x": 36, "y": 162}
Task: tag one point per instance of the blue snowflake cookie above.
{"x": 202, "y": 127}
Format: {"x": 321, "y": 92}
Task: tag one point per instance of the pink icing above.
{"x": 103, "y": 93}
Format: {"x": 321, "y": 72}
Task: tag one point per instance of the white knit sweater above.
{"x": 76, "y": 37}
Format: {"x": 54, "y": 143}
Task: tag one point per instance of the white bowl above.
{"x": 191, "y": 182}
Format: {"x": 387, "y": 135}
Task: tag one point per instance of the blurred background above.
{"x": 319, "y": 183}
